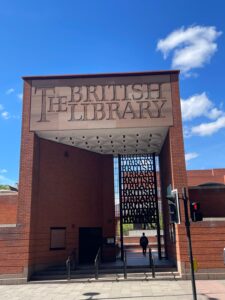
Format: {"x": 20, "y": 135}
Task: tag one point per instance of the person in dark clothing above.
{"x": 144, "y": 243}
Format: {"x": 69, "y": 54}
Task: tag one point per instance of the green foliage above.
{"x": 161, "y": 221}
{"x": 127, "y": 228}
{"x": 4, "y": 187}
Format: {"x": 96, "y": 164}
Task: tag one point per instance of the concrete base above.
{"x": 206, "y": 274}
{"x": 13, "y": 279}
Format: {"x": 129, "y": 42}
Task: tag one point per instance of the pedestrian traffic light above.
{"x": 174, "y": 208}
{"x": 196, "y": 214}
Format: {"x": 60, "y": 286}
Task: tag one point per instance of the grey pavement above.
{"x": 124, "y": 290}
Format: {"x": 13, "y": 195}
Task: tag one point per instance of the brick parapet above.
{"x": 196, "y": 177}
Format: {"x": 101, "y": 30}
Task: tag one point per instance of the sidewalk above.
{"x": 136, "y": 290}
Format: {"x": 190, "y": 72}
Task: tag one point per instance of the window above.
{"x": 57, "y": 238}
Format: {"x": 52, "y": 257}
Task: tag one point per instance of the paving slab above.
{"x": 137, "y": 290}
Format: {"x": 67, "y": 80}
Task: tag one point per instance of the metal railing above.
{"x": 68, "y": 267}
{"x": 151, "y": 263}
{"x": 125, "y": 264}
{"x": 97, "y": 261}
{"x": 70, "y": 263}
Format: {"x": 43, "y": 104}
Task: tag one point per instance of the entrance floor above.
{"x": 135, "y": 258}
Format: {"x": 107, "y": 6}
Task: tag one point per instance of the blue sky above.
{"x": 67, "y": 37}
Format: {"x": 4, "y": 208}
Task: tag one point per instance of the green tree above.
{"x": 4, "y": 187}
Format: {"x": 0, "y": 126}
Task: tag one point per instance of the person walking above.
{"x": 144, "y": 243}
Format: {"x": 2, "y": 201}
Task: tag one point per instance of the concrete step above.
{"x": 90, "y": 273}
{"x": 107, "y": 268}
{"x": 130, "y": 245}
{"x": 134, "y": 269}
{"x": 131, "y": 276}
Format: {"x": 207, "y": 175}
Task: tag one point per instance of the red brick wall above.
{"x": 8, "y": 208}
{"x": 208, "y": 240}
{"x": 208, "y": 236}
{"x": 72, "y": 192}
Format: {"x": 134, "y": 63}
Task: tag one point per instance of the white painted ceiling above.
{"x": 111, "y": 141}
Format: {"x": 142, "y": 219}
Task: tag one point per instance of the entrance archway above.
{"x": 73, "y": 127}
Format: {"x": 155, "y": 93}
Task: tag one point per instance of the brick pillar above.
{"x": 15, "y": 241}
{"x": 27, "y": 160}
{"x": 173, "y": 171}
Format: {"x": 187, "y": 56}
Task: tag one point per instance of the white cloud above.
{"x": 215, "y": 113}
{"x": 199, "y": 105}
{"x": 20, "y": 96}
{"x": 2, "y": 171}
{"x": 191, "y": 155}
{"x": 5, "y": 115}
{"x": 210, "y": 128}
{"x": 10, "y": 91}
{"x": 191, "y": 48}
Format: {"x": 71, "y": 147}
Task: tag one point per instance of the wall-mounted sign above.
{"x": 101, "y": 102}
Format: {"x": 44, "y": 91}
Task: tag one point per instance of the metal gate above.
{"x": 138, "y": 192}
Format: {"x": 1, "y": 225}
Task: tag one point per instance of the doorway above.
{"x": 90, "y": 239}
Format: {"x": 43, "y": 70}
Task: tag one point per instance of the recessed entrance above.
{"x": 90, "y": 239}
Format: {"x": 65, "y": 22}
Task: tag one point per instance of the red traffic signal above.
{"x": 196, "y": 214}
{"x": 196, "y": 206}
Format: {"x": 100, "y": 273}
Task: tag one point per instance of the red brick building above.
{"x": 72, "y": 128}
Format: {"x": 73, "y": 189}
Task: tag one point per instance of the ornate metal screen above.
{"x": 138, "y": 193}
{"x": 138, "y": 189}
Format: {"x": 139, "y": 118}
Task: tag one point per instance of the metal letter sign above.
{"x": 138, "y": 189}
{"x": 94, "y": 101}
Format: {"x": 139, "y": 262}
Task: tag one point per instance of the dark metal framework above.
{"x": 138, "y": 192}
